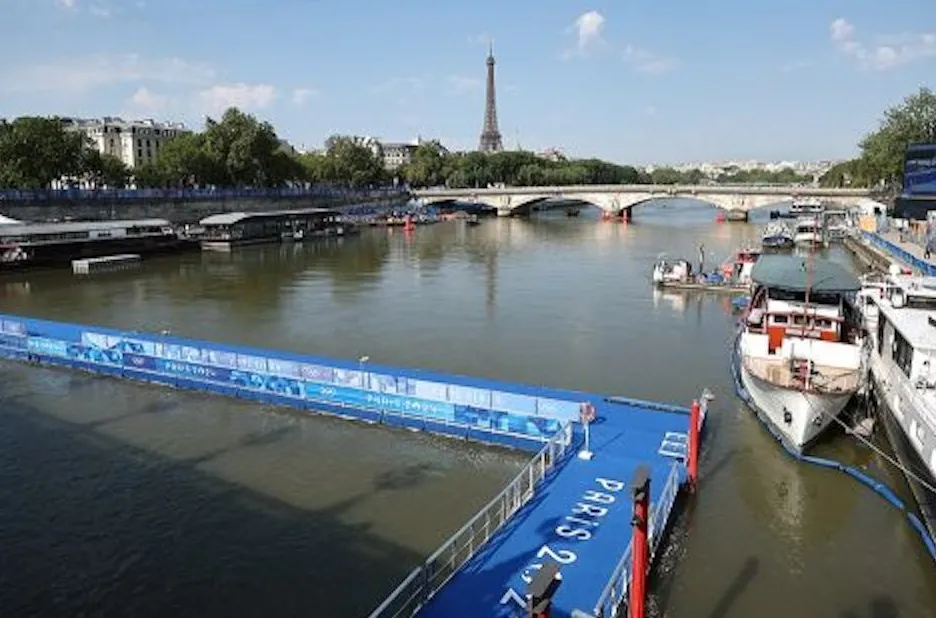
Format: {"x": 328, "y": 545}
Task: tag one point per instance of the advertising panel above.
{"x": 15, "y": 328}
{"x": 354, "y": 397}
{"x": 51, "y": 347}
{"x": 433, "y": 391}
{"x": 468, "y": 396}
{"x": 251, "y": 363}
{"x": 513, "y": 402}
{"x": 283, "y": 368}
{"x": 348, "y": 377}
{"x": 317, "y": 373}
{"x": 558, "y": 409}
{"x": 920, "y": 170}
{"x": 385, "y": 384}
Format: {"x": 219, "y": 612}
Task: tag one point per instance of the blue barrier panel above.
{"x": 502, "y": 416}
{"x": 513, "y": 402}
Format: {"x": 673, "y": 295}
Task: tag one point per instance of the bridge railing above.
{"x": 613, "y": 600}
{"x": 427, "y": 579}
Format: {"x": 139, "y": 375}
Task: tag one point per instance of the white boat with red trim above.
{"x": 799, "y": 350}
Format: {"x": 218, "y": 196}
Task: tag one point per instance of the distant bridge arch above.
{"x": 621, "y": 199}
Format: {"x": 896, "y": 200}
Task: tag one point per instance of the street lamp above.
{"x": 361, "y": 362}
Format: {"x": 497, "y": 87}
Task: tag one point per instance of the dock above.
{"x": 577, "y": 515}
{"x": 107, "y": 263}
{"x": 563, "y": 530}
{"x": 692, "y": 286}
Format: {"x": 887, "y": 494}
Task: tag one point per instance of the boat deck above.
{"x": 691, "y": 286}
{"x": 780, "y": 371}
{"x": 494, "y": 581}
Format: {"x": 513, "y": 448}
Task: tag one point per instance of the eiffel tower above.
{"x": 490, "y": 134}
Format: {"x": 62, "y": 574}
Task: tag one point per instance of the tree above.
{"x": 103, "y": 170}
{"x": 913, "y": 120}
{"x": 352, "y": 163}
{"x": 35, "y": 151}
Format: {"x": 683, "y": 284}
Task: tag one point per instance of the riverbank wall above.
{"x": 179, "y": 206}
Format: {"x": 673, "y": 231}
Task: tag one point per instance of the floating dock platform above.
{"x": 569, "y": 514}
{"x": 692, "y": 286}
{"x": 107, "y": 263}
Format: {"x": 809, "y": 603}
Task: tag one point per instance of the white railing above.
{"x": 425, "y": 580}
{"x": 613, "y": 599}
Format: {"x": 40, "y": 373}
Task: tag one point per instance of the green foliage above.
{"x": 882, "y": 151}
{"x": 346, "y": 162}
{"x": 36, "y": 151}
{"x": 431, "y": 166}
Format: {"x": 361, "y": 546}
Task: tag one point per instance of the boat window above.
{"x": 780, "y": 319}
{"x": 823, "y": 323}
{"x": 902, "y": 353}
{"x": 880, "y": 334}
{"x": 799, "y": 319}
{"x": 920, "y": 302}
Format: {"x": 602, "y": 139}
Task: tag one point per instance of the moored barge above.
{"x": 226, "y": 230}
{"x": 28, "y": 245}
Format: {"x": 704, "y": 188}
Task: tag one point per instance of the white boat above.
{"x": 806, "y": 206}
{"x": 902, "y": 353}
{"x": 808, "y": 231}
{"x": 799, "y": 349}
{"x": 838, "y": 224}
{"x": 777, "y": 235}
{"x": 669, "y": 270}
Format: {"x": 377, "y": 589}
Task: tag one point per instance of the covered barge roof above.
{"x": 794, "y": 273}
{"x": 231, "y": 218}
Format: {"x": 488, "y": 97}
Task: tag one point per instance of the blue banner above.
{"x": 52, "y": 347}
{"x": 191, "y": 364}
{"x": 920, "y": 170}
{"x": 354, "y": 397}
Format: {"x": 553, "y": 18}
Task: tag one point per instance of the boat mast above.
{"x": 809, "y": 323}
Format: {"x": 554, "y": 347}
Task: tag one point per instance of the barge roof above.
{"x": 21, "y": 229}
{"x": 789, "y": 272}
{"x": 231, "y": 218}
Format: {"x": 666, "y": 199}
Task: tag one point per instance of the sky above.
{"x": 631, "y": 81}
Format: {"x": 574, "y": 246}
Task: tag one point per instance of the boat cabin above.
{"x": 793, "y": 299}
{"x": 740, "y": 266}
{"x": 236, "y": 228}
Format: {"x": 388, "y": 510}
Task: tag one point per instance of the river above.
{"x": 120, "y": 499}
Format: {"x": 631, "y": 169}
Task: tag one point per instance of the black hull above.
{"x": 61, "y": 254}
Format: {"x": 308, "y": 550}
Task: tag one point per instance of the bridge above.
{"x": 620, "y": 199}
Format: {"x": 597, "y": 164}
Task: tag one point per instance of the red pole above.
{"x": 640, "y": 551}
{"x": 693, "y": 463}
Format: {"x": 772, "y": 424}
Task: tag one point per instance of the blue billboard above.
{"x": 280, "y": 379}
{"x": 920, "y": 170}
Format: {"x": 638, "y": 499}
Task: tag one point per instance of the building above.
{"x": 135, "y": 142}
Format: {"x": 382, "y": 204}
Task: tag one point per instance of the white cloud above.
{"x": 588, "y": 29}
{"x": 650, "y": 110}
{"x": 463, "y": 85}
{"x": 301, "y": 96}
{"x": 648, "y": 62}
{"x": 82, "y": 74}
{"x": 68, "y": 5}
{"x": 99, "y": 11}
{"x": 885, "y": 52}
{"x": 246, "y": 97}
{"x": 840, "y": 30}
{"x": 145, "y": 100}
